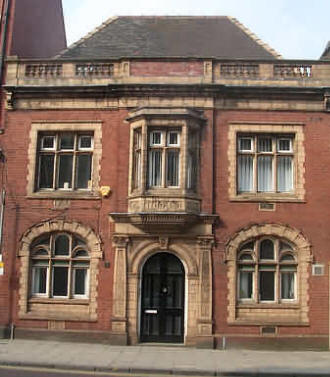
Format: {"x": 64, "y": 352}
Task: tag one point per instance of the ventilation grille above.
{"x": 318, "y": 269}
{"x": 266, "y": 207}
{"x": 268, "y": 330}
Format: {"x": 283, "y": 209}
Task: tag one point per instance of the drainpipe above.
{"x": 2, "y": 210}
{"x": 4, "y": 39}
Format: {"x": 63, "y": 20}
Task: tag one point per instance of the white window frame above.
{"x": 164, "y": 147}
{"x": 56, "y": 151}
{"x": 258, "y": 265}
{"x": 254, "y": 153}
{"x": 70, "y": 261}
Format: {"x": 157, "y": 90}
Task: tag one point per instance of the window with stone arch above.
{"x": 60, "y": 266}
{"x": 267, "y": 271}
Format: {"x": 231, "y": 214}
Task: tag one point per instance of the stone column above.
{"x": 119, "y": 308}
{"x": 204, "y": 324}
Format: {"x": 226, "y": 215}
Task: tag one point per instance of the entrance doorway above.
{"x": 162, "y": 301}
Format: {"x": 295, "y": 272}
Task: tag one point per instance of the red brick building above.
{"x": 169, "y": 184}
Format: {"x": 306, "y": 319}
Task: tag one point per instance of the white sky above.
{"x": 297, "y": 29}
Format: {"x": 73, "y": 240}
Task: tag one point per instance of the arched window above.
{"x": 267, "y": 269}
{"x": 60, "y": 266}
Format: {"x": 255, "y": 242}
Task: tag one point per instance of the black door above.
{"x": 162, "y": 304}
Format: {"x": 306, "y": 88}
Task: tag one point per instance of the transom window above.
{"x": 60, "y": 266}
{"x": 267, "y": 271}
{"x": 64, "y": 161}
{"x": 265, "y": 163}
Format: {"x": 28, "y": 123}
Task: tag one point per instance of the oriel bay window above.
{"x": 163, "y": 158}
{"x": 267, "y": 269}
{"x": 265, "y": 163}
{"x": 60, "y": 267}
{"x": 64, "y": 161}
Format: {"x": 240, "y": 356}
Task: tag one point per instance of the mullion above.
{"x": 74, "y": 162}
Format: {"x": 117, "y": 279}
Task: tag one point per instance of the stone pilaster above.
{"x": 204, "y": 323}
{"x": 119, "y": 309}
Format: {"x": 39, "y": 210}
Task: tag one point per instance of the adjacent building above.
{"x": 28, "y": 29}
{"x": 166, "y": 181}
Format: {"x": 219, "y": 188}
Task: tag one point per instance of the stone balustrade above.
{"x": 272, "y": 73}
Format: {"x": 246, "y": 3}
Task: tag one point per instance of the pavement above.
{"x": 156, "y": 360}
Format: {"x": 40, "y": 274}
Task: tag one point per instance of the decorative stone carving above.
{"x": 9, "y": 101}
{"x": 163, "y": 242}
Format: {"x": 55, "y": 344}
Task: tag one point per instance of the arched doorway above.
{"x": 162, "y": 299}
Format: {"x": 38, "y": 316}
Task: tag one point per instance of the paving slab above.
{"x": 164, "y": 360}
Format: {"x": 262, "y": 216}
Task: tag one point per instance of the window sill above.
{"x": 270, "y": 197}
{"x": 64, "y": 195}
{"x": 268, "y": 322}
{"x": 62, "y": 301}
{"x": 271, "y": 305}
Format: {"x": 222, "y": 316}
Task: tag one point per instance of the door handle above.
{"x": 151, "y": 311}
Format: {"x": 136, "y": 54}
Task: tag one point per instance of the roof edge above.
{"x": 87, "y": 36}
{"x": 255, "y": 38}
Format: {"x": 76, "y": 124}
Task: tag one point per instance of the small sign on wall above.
{"x": 1, "y": 265}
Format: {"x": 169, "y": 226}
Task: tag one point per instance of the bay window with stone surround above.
{"x": 164, "y": 160}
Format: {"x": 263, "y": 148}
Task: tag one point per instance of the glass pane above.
{"x": 80, "y": 281}
{"x": 85, "y": 142}
{"x": 155, "y": 138}
{"x": 137, "y": 139}
{"x": 265, "y": 144}
{"x": 81, "y": 253}
{"x": 246, "y": 257}
{"x": 173, "y": 168}
{"x": 39, "y": 280}
{"x": 155, "y": 168}
{"x": 284, "y": 145}
{"x": 173, "y": 138}
{"x": 285, "y": 246}
{"x": 192, "y": 170}
{"x": 266, "y": 285}
{"x": 43, "y": 240}
{"x": 287, "y": 285}
{"x": 245, "y": 173}
{"x": 67, "y": 141}
{"x": 245, "y": 144}
{"x": 137, "y": 169}
{"x": 245, "y": 284}
{"x": 284, "y": 174}
{"x": 65, "y": 171}
{"x": 83, "y": 172}
{"x": 40, "y": 252}
{"x": 46, "y": 172}
{"x": 266, "y": 249}
{"x": 62, "y": 245}
{"x": 287, "y": 258}
{"x": 78, "y": 241}
{"x": 247, "y": 246}
{"x": 265, "y": 173}
{"x": 48, "y": 142}
{"x": 60, "y": 281}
